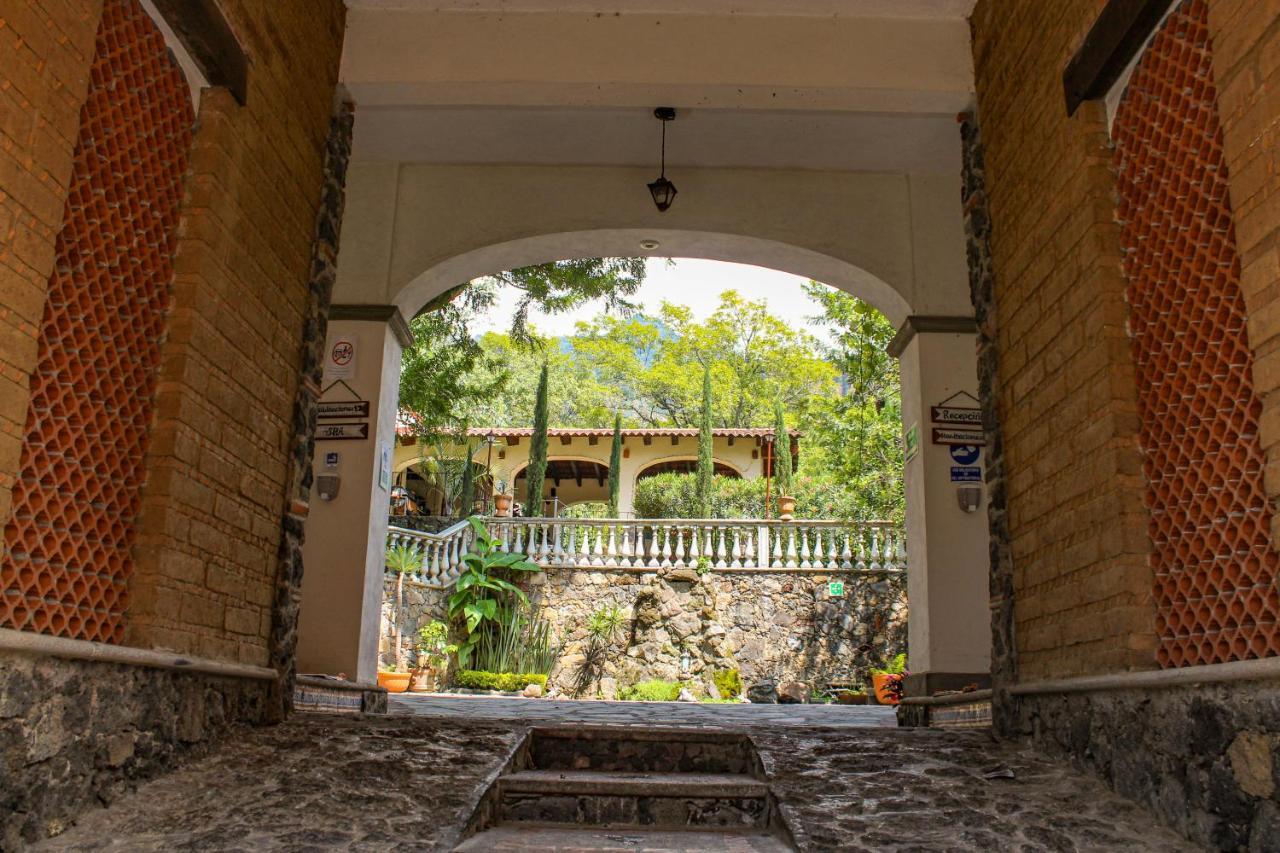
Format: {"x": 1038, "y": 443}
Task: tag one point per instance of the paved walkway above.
{"x": 567, "y": 711}
{"x": 401, "y": 782}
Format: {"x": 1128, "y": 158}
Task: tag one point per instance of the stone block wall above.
{"x": 1077, "y": 524}
{"x": 210, "y": 526}
{"x": 1205, "y": 758}
{"x": 768, "y": 625}
{"x": 78, "y": 734}
{"x": 46, "y": 47}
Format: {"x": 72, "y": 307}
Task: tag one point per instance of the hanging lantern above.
{"x": 662, "y": 190}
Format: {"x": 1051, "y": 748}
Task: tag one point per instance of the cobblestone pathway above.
{"x": 562, "y": 711}
{"x": 405, "y": 782}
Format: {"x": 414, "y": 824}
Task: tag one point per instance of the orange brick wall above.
{"x": 210, "y": 524}
{"x": 1078, "y": 525}
{"x": 71, "y": 529}
{"x": 1246, "y": 68}
{"x": 45, "y": 50}
{"x": 1213, "y": 556}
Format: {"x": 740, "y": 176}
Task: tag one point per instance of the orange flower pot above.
{"x": 881, "y": 683}
{"x": 394, "y": 682}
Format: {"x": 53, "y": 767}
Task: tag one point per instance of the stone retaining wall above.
{"x": 78, "y": 733}
{"x": 778, "y": 624}
{"x": 1205, "y": 758}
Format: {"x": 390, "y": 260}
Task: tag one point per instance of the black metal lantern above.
{"x": 662, "y": 190}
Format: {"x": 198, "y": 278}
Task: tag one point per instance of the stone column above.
{"x": 346, "y": 536}
{"x": 949, "y": 629}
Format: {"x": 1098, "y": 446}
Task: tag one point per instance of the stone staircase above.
{"x": 629, "y": 789}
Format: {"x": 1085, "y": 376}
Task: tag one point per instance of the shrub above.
{"x": 507, "y": 682}
{"x": 675, "y": 496}
{"x": 653, "y": 690}
{"x": 728, "y": 682}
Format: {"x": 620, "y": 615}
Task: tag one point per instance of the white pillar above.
{"x": 346, "y": 537}
{"x": 949, "y": 627}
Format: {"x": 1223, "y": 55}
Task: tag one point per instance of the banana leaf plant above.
{"x": 483, "y": 594}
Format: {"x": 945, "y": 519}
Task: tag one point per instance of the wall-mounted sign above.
{"x": 345, "y": 409}
{"x": 342, "y": 432}
{"x": 965, "y": 454}
{"x": 966, "y": 474}
{"x": 961, "y": 408}
{"x": 340, "y": 361}
{"x": 943, "y": 435}
{"x": 836, "y": 589}
{"x": 384, "y": 467}
{"x": 911, "y": 443}
{"x": 962, "y": 416}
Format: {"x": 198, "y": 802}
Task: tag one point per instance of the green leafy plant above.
{"x": 653, "y": 690}
{"x": 516, "y": 642}
{"x": 781, "y": 451}
{"x": 536, "y": 473}
{"x": 402, "y": 559}
{"x": 728, "y": 682}
{"x": 434, "y": 647}
{"x": 602, "y": 626}
{"x": 897, "y": 666}
{"x": 606, "y": 621}
{"x": 482, "y": 595}
{"x": 506, "y": 682}
{"x": 706, "y": 465}
{"x": 615, "y": 466}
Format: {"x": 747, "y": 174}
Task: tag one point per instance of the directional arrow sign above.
{"x": 338, "y": 432}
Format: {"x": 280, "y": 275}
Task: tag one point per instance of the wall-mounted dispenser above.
{"x": 970, "y": 498}
{"x": 327, "y": 486}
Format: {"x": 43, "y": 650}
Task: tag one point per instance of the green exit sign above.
{"x": 836, "y": 589}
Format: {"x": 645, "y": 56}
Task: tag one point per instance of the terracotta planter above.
{"x": 423, "y": 680}
{"x": 394, "y": 682}
{"x": 502, "y": 505}
{"x": 881, "y": 683}
{"x": 786, "y": 507}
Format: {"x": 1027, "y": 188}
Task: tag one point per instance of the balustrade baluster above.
{"x": 693, "y": 546}
{"x": 666, "y": 546}
{"x": 649, "y": 536}
{"x": 735, "y": 550}
{"x": 876, "y": 565}
{"x": 630, "y": 545}
{"x": 846, "y": 554}
{"x": 710, "y": 551}
{"x": 776, "y": 558}
{"x": 597, "y": 546}
{"x": 678, "y": 557}
{"x": 791, "y": 548}
{"x": 803, "y": 533}
{"x": 611, "y": 545}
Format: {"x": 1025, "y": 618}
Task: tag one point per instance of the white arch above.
{"x": 685, "y": 457}
{"x": 626, "y": 242}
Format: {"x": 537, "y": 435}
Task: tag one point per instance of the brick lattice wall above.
{"x": 1078, "y": 525}
{"x": 69, "y": 536}
{"x": 1210, "y": 526}
{"x": 45, "y": 51}
{"x": 210, "y": 530}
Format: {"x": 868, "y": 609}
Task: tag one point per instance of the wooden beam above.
{"x": 593, "y": 440}
{"x": 675, "y": 439}
{"x": 648, "y": 440}
{"x": 577, "y": 474}
{"x": 208, "y": 37}
{"x": 1114, "y": 40}
{"x": 565, "y": 439}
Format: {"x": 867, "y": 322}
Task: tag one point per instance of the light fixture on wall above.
{"x": 662, "y": 190}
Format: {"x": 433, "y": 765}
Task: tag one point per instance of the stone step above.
{"x": 545, "y": 839}
{"x": 615, "y": 798}
{"x": 609, "y": 749}
{"x": 622, "y": 783}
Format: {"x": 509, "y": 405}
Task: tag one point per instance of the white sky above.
{"x": 686, "y": 281}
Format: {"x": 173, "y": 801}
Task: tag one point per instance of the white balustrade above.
{"x": 723, "y": 544}
{"x": 441, "y": 552}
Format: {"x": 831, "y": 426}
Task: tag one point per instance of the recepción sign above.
{"x": 962, "y": 415}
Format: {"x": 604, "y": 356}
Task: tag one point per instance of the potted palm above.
{"x": 401, "y": 559}
{"x": 434, "y": 650}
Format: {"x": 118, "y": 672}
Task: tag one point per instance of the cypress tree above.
{"x": 537, "y": 471}
{"x": 706, "y": 465}
{"x": 781, "y": 452}
{"x": 468, "y": 489}
{"x": 615, "y": 466}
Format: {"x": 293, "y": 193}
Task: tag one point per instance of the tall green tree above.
{"x": 781, "y": 451}
{"x": 615, "y": 466}
{"x": 468, "y": 491}
{"x": 446, "y": 374}
{"x": 537, "y": 470}
{"x": 706, "y": 448}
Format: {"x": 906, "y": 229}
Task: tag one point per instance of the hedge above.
{"x": 507, "y": 682}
